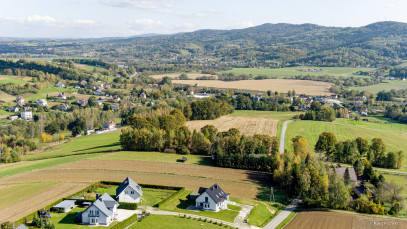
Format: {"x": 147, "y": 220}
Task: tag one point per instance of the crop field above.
{"x": 246, "y": 125}
{"x": 191, "y": 76}
{"x": 35, "y": 195}
{"x": 387, "y": 86}
{"x": 172, "y": 222}
{"x": 328, "y": 220}
{"x": 345, "y": 130}
{"x": 277, "y": 115}
{"x": 296, "y": 71}
{"x": 282, "y": 85}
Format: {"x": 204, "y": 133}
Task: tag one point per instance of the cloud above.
{"x": 244, "y": 24}
{"x": 200, "y": 14}
{"x": 47, "y": 21}
{"x": 144, "y": 22}
{"x": 143, "y": 26}
{"x": 160, "y": 6}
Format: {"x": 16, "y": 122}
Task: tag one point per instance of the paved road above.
{"x": 283, "y": 214}
{"x": 282, "y": 136}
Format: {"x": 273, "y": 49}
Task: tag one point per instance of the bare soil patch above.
{"x": 246, "y": 125}
{"x": 328, "y": 220}
{"x": 282, "y": 85}
{"x": 191, "y": 76}
{"x": 27, "y": 206}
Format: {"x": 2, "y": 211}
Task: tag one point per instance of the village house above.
{"x": 77, "y": 87}
{"x": 212, "y": 199}
{"x": 101, "y": 87}
{"x": 92, "y": 87}
{"x": 81, "y": 102}
{"x": 14, "y": 117}
{"x": 83, "y": 82}
{"x": 114, "y": 107}
{"x": 19, "y": 100}
{"x": 26, "y": 115}
{"x": 42, "y": 102}
{"x": 258, "y": 97}
{"x": 63, "y": 107}
{"x": 352, "y": 173}
{"x": 60, "y": 84}
{"x": 62, "y": 95}
{"x": 64, "y": 206}
{"x": 100, "y": 103}
{"x": 109, "y": 125}
{"x": 129, "y": 192}
{"x": 358, "y": 103}
{"x": 143, "y": 95}
{"x": 98, "y": 92}
{"x": 100, "y": 212}
{"x": 13, "y": 109}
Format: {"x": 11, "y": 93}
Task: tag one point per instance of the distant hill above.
{"x": 263, "y": 45}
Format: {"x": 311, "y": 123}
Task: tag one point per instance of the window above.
{"x": 132, "y": 192}
{"x": 206, "y": 199}
{"x": 91, "y": 212}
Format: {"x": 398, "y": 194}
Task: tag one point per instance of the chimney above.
{"x": 97, "y": 195}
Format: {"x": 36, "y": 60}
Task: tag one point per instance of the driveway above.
{"x": 283, "y": 215}
{"x": 282, "y": 136}
{"x": 123, "y": 214}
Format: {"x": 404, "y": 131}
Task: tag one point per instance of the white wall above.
{"x": 103, "y": 219}
{"x": 126, "y": 196}
{"x": 212, "y": 204}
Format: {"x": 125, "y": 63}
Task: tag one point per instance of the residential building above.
{"x": 100, "y": 212}
{"x": 81, "y": 102}
{"x": 14, "y": 117}
{"x": 19, "y": 99}
{"x": 129, "y": 192}
{"x": 64, "y": 206}
{"x": 212, "y": 198}
{"x": 63, "y": 107}
{"x": 109, "y": 125}
{"x": 352, "y": 173}
{"x": 26, "y": 115}
{"x": 62, "y": 95}
{"x": 83, "y": 82}
{"x": 60, "y": 84}
{"x": 42, "y": 102}
{"x": 13, "y": 109}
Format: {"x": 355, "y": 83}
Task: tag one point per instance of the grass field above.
{"x": 260, "y": 215}
{"x": 387, "y": 86}
{"x": 173, "y": 222}
{"x": 346, "y": 129}
{"x": 328, "y": 220}
{"x": 246, "y": 125}
{"x": 181, "y": 203}
{"x": 282, "y": 85}
{"x": 14, "y": 79}
{"x": 42, "y": 94}
{"x": 296, "y": 71}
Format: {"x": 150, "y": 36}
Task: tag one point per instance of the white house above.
{"x": 42, "y": 102}
{"x": 13, "y": 109}
{"x": 26, "y": 115}
{"x": 65, "y": 206}
{"x": 60, "y": 84}
{"x": 14, "y": 117}
{"x": 129, "y": 192}
{"x": 100, "y": 212}
{"x": 109, "y": 125}
{"x": 64, "y": 107}
{"x": 212, "y": 199}
{"x": 62, "y": 95}
{"x": 19, "y": 99}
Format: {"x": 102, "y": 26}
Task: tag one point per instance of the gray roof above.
{"x": 341, "y": 172}
{"x": 128, "y": 182}
{"x": 22, "y": 226}
{"x": 65, "y": 203}
{"x": 215, "y": 192}
{"x": 103, "y": 203}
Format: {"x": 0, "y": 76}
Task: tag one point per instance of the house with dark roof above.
{"x": 129, "y": 192}
{"x": 100, "y": 212}
{"x": 363, "y": 190}
{"x": 212, "y": 199}
{"x": 352, "y": 173}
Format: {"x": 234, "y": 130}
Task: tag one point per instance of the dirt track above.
{"x": 328, "y": 220}
{"x": 246, "y": 125}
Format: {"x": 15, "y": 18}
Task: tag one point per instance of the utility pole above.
{"x": 271, "y": 195}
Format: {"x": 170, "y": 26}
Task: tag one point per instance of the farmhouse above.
{"x": 62, "y": 95}
{"x": 42, "y": 102}
{"x": 19, "y": 99}
{"x": 26, "y": 115}
{"x": 65, "y": 206}
{"x": 109, "y": 125}
{"x": 14, "y": 117}
{"x": 81, "y": 102}
{"x": 60, "y": 84}
{"x": 129, "y": 192}
{"x": 352, "y": 174}
{"x": 102, "y": 211}
{"x": 13, "y": 109}
{"x": 143, "y": 95}
{"x": 63, "y": 107}
{"x": 212, "y": 198}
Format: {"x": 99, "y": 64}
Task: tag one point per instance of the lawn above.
{"x": 260, "y": 215}
{"x": 81, "y": 145}
{"x": 346, "y": 129}
{"x": 173, "y": 222}
{"x": 18, "y": 192}
{"x": 295, "y": 71}
{"x": 155, "y": 156}
{"x": 180, "y": 204}
{"x": 42, "y": 94}
{"x": 66, "y": 220}
{"x": 12, "y": 79}
{"x": 387, "y": 86}
{"x": 400, "y": 180}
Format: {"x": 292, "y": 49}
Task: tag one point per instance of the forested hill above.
{"x": 268, "y": 45}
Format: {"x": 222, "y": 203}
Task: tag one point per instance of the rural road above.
{"x": 283, "y": 215}
{"x": 282, "y": 136}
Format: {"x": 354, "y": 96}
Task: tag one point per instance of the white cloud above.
{"x": 155, "y": 5}
{"x": 143, "y": 26}
{"x": 34, "y": 19}
{"x": 144, "y": 22}
{"x": 200, "y": 14}
{"x": 244, "y": 24}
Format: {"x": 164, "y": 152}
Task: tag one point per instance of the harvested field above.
{"x": 246, "y": 125}
{"x": 191, "y": 76}
{"x": 27, "y": 206}
{"x": 327, "y": 220}
{"x": 282, "y": 85}
{"x": 241, "y": 183}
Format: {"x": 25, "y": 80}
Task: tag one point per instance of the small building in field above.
{"x": 352, "y": 173}
{"x": 82, "y": 102}
{"x": 212, "y": 199}
{"x": 83, "y": 82}
{"x": 19, "y": 99}
{"x": 63, "y": 107}
{"x": 129, "y": 192}
{"x": 13, "y": 109}
{"x": 143, "y": 95}
{"x": 62, "y": 95}
{"x": 109, "y": 125}
{"x": 64, "y": 206}
{"x": 22, "y": 226}
{"x": 26, "y": 115}
{"x": 14, "y": 117}
{"x": 60, "y": 84}
{"x": 42, "y": 102}
{"x": 100, "y": 212}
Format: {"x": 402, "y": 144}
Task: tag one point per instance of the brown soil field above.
{"x": 191, "y": 76}
{"x": 27, "y": 206}
{"x": 246, "y": 125}
{"x": 282, "y": 85}
{"x": 328, "y": 220}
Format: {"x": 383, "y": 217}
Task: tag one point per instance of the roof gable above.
{"x": 128, "y": 182}
{"x": 352, "y": 174}
{"x": 215, "y": 192}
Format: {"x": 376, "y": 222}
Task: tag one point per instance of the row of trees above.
{"x": 319, "y": 112}
{"x": 350, "y": 151}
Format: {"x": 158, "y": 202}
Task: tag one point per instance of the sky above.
{"x": 123, "y": 18}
